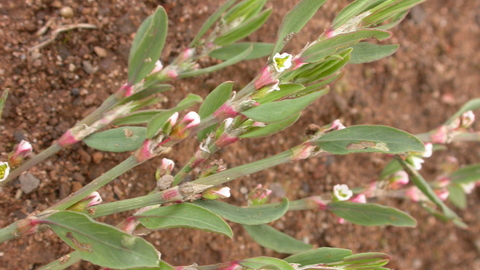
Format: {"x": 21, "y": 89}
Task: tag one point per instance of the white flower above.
{"x": 467, "y": 119}
{"x": 224, "y": 192}
{"x": 468, "y": 188}
{"x": 428, "y": 150}
{"x": 416, "y": 162}
{"x": 281, "y": 62}
{"x": 4, "y": 170}
{"x": 342, "y": 192}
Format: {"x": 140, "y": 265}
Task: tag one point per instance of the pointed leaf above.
{"x": 147, "y": 92}
{"x": 268, "y": 237}
{"x": 469, "y": 106}
{"x": 270, "y": 129}
{"x": 285, "y": 90}
{"x": 329, "y": 46}
{"x": 184, "y": 215}
{"x": 136, "y": 118}
{"x": 101, "y": 244}
{"x": 319, "y": 255}
{"x": 369, "y": 214}
{"x": 265, "y": 263}
{"x": 295, "y": 20}
{"x": 365, "y": 52}
{"x": 246, "y": 215}
{"x": 258, "y": 50}
{"x": 121, "y": 139}
{"x": 278, "y": 111}
{"x": 466, "y": 175}
{"x": 162, "y": 266}
{"x": 456, "y": 195}
{"x": 369, "y": 139}
{"x": 350, "y": 11}
{"x": 382, "y": 15}
{"x": 147, "y": 46}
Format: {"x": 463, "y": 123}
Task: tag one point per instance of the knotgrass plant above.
{"x": 271, "y": 102}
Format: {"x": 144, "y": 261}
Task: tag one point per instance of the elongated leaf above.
{"x": 456, "y": 195}
{"x": 136, "y": 118}
{"x": 210, "y": 21}
{"x": 365, "y": 52}
{"x": 271, "y": 129}
{"x": 157, "y": 122}
{"x": 420, "y": 182}
{"x": 319, "y": 255}
{"x": 244, "y": 29}
{"x": 268, "y": 237}
{"x": 246, "y": 215}
{"x": 117, "y": 140}
{"x": 369, "y": 214}
{"x": 147, "y": 46}
{"x": 227, "y": 63}
{"x": 466, "y": 175}
{"x": 350, "y": 11}
{"x": 277, "y": 111}
{"x": 469, "y": 106}
{"x": 441, "y": 216}
{"x": 328, "y": 47}
{"x": 258, "y": 50}
{"x": 295, "y": 20}
{"x": 102, "y": 244}
{"x": 285, "y": 90}
{"x": 162, "y": 266}
{"x": 400, "y": 6}
{"x": 184, "y": 215}
{"x": 244, "y": 10}
{"x": 266, "y": 263}
{"x": 147, "y": 92}
{"x": 369, "y": 139}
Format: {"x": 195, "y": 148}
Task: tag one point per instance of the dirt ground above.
{"x": 434, "y": 72}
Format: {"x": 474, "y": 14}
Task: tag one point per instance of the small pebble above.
{"x": 28, "y": 182}
{"x": 100, "y": 51}
{"x": 97, "y": 157}
{"x": 66, "y": 12}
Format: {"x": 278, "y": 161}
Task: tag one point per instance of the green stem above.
{"x": 54, "y": 148}
{"x": 101, "y": 181}
{"x": 63, "y": 262}
{"x": 108, "y": 104}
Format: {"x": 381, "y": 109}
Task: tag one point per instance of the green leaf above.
{"x": 420, "y": 182}
{"x": 210, "y": 21}
{"x": 156, "y": 123}
{"x": 268, "y": 237}
{"x": 285, "y": 90}
{"x": 369, "y": 214}
{"x": 265, "y": 263}
{"x": 3, "y": 99}
{"x": 244, "y": 29}
{"x": 147, "y": 92}
{"x": 277, "y": 111}
{"x": 212, "y": 102}
{"x": 162, "y": 266}
{"x": 319, "y": 255}
{"x": 369, "y": 139}
{"x": 441, "y": 216}
{"x": 382, "y": 15}
{"x": 227, "y": 63}
{"x": 330, "y": 46}
{"x": 350, "y": 11}
{"x": 253, "y": 215}
{"x": 136, "y": 118}
{"x": 258, "y": 50}
{"x": 295, "y": 20}
{"x": 184, "y": 215}
{"x": 469, "y": 106}
{"x": 147, "y": 46}
{"x": 466, "y": 175}
{"x": 270, "y": 129}
{"x": 101, "y": 244}
{"x": 456, "y": 195}
{"x": 367, "y": 257}
{"x": 392, "y": 167}
{"x": 117, "y": 140}
{"x": 244, "y": 10}
{"x": 365, "y": 52}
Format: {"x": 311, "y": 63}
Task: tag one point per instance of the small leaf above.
{"x": 147, "y": 92}
{"x": 469, "y": 106}
{"x": 210, "y": 21}
{"x": 285, "y": 90}
{"x": 466, "y": 175}
{"x": 184, "y": 215}
{"x": 350, "y": 11}
{"x": 101, "y": 244}
{"x": 227, "y": 63}
{"x": 369, "y": 214}
{"x": 278, "y": 111}
{"x": 121, "y": 139}
{"x": 330, "y": 46}
{"x": 212, "y": 102}
{"x": 254, "y": 215}
{"x": 369, "y": 139}
{"x": 244, "y": 29}
{"x": 399, "y": 7}
{"x": 295, "y": 20}
{"x": 270, "y": 129}
{"x": 268, "y": 237}
{"x": 136, "y": 118}
{"x": 258, "y": 50}
{"x": 365, "y": 52}
{"x": 456, "y": 195}
{"x": 147, "y": 46}
{"x": 265, "y": 263}
{"x": 319, "y": 255}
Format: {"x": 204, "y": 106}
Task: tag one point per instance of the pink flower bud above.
{"x": 360, "y": 198}
{"x": 266, "y": 78}
{"x": 192, "y": 118}
{"x": 442, "y": 193}
{"x": 440, "y": 135}
{"x": 158, "y": 67}
{"x": 167, "y": 164}
{"x": 216, "y": 193}
{"x": 94, "y": 198}
{"x": 316, "y": 202}
{"x": 413, "y": 194}
{"x": 183, "y": 128}
{"x": 125, "y": 90}
{"x": 21, "y": 152}
{"x": 337, "y": 125}
{"x": 225, "y": 111}
{"x": 298, "y": 62}
{"x": 258, "y": 195}
{"x": 67, "y": 139}
{"x": 467, "y": 119}
{"x": 398, "y": 179}
{"x": 187, "y": 54}
{"x": 172, "y": 74}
